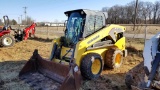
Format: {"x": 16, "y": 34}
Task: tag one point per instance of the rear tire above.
{"x": 91, "y": 66}
{"x": 114, "y": 58}
{"x": 7, "y": 40}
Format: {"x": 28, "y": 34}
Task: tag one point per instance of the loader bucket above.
{"x": 43, "y": 74}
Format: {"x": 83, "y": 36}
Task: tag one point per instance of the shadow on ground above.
{"x": 105, "y": 82}
{"x": 41, "y": 39}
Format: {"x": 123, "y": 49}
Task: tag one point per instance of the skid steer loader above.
{"x": 146, "y": 75}
{"x": 87, "y": 45}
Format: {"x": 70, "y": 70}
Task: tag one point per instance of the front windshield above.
{"x": 73, "y": 28}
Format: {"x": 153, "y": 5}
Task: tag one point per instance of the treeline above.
{"x": 11, "y": 22}
{"x": 28, "y": 21}
{"x": 147, "y": 12}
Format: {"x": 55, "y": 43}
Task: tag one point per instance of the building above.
{"x": 53, "y": 24}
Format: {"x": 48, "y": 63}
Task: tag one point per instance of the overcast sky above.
{"x": 50, "y": 10}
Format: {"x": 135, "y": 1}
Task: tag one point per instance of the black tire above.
{"x": 113, "y": 58}
{"x": 86, "y": 66}
{"x": 7, "y": 40}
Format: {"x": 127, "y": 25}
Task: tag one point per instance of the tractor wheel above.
{"x": 91, "y": 66}
{"x": 7, "y": 40}
{"x": 113, "y": 58}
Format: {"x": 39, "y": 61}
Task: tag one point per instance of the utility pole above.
{"x": 21, "y": 19}
{"x": 135, "y": 14}
{"x": 25, "y": 13}
{"x": 18, "y": 20}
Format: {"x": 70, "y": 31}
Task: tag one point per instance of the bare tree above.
{"x": 29, "y": 21}
{"x": 155, "y": 10}
{"x": 56, "y": 21}
{"x": 13, "y": 22}
{"x": 130, "y": 12}
{"x": 158, "y": 17}
{"x": 105, "y": 9}
{"x": 147, "y": 12}
{"x": 149, "y": 8}
{"x": 1, "y": 23}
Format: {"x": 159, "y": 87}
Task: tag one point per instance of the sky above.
{"x": 52, "y": 10}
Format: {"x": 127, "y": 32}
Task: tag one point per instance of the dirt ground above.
{"x": 140, "y": 29}
{"x": 12, "y": 59}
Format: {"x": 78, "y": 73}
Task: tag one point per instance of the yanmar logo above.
{"x": 93, "y": 39}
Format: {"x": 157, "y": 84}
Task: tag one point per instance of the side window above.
{"x": 94, "y": 23}
{"x": 99, "y": 22}
{"x": 90, "y": 26}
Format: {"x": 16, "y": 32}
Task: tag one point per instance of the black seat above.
{"x": 4, "y": 28}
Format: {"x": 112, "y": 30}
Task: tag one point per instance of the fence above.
{"x": 55, "y": 31}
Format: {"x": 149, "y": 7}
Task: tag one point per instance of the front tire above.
{"x": 91, "y": 66}
{"x": 7, "y": 40}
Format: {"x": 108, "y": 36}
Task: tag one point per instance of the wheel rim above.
{"x": 96, "y": 66}
{"x": 118, "y": 59}
{"x": 7, "y": 41}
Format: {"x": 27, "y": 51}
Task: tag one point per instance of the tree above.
{"x": 155, "y": 10}
{"x": 147, "y": 12}
{"x": 56, "y": 21}
{"x": 1, "y": 23}
{"x": 149, "y": 8}
{"x": 130, "y": 13}
{"x": 28, "y": 21}
{"x": 13, "y": 22}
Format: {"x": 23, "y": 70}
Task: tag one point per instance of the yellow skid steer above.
{"x": 87, "y": 45}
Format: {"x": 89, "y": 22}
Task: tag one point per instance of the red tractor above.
{"x": 25, "y": 33}
{"x": 5, "y": 38}
{"x": 27, "y": 30}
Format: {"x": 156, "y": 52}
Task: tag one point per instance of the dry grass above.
{"x": 136, "y": 43}
{"x": 140, "y": 29}
{"x": 23, "y": 50}
{"x": 135, "y": 50}
{"x": 50, "y": 28}
{"x": 45, "y": 36}
{"x": 40, "y": 27}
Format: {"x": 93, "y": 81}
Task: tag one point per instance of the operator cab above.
{"x": 82, "y": 23}
{"x": 74, "y": 27}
